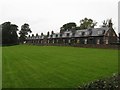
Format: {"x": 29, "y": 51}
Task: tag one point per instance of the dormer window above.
{"x": 100, "y": 32}
{"x": 67, "y": 30}
{"x": 80, "y": 33}
{"x": 60, "y": 35}
{"x": 73, "y": 27}
{"x": 73, "y": 34}
{"x": 83, "y": 33}
{"x": 68, "y": 34}
{"x": 86, "y": 33}
{"x": 56, "y": 35}
{"x": 90, "y": 32}
{"x": 51, "y": 36}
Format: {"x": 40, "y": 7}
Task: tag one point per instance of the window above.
{"x": 73, "y": 27}
{"x": 99, "y": 32}
{"x": 98, "y": 41}
{"x": 83, "y": 33}
{"x": 60, "y": 35}
{"x": 73, "y": 34}
{"x": 113, "y": 34}
{"x": 69, "y": 41}
{"x": 78, "y": 41}
{"x": 80, "y": 33}
{"x": 53, "y": 41}
{"x": 85, "y": 41}
{"x": 68, "y": 34}
{"x": 57, "y": 40}
{"x": 51, "y": 36}
{"x": 90, "y": 32}
{"x": 41, "y": 41}
{"x": 64, "y": 40}
{"x": 56, "y": 35}
{"x": 106, "y": 41}
{"x": 48, "y": 41}
{"x": 86, "y": 33}
{"x": 62, "y": 28}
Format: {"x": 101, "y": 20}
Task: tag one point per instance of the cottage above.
{"x": 103, "y": 35}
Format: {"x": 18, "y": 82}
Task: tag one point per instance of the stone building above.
{"x": 104, "y": 35}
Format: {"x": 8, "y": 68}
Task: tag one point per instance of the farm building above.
{"x": 103, "y": 35}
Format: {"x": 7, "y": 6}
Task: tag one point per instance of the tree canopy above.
{"x": 68, "y": 26}
{"x": 87, "y": 23}
{"x": 9, "y": 34}
{"x": 24, "y": 32}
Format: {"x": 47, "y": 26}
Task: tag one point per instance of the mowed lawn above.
{"x": 27, "y": 66}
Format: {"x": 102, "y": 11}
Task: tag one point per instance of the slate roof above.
{"x": 91, "y": 32}
{"x": 78, "y": 33}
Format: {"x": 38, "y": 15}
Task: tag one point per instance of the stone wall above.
{"x": 83, "y": 45}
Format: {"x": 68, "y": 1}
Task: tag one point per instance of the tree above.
{"x": 87, "y": 23}
{"x": 24, "y": 32}
{"x": 14, "y": 36}
{"x": 68, "y": 26}
{"x": 9, "y": 34}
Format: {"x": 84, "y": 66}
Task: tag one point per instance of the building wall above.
{"x": 108, "y": 38}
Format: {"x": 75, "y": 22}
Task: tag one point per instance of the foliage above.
{"x": 24, "y": 32}
{"x": 9, "y": 34}
{"x": 109, "y": 83}
{"x": 87, "y": 23}
{"x": 68, "y": 26}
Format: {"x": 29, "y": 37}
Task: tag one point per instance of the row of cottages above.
{"x": 103, "y": 35}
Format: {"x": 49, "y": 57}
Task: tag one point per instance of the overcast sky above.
{"x": 48, "y": 15}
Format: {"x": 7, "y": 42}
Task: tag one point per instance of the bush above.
{"x": 111, "y": 83}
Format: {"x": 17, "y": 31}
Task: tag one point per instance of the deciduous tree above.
{"x": 87, "y": 23}
{"x": 24, "y": 32}
{"x": 9, "y": 34}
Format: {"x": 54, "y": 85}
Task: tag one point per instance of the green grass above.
{"x": 55, "y": 67}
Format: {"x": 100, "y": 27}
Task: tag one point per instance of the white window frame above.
{"x": 85, "y": 41}
{"x": 53, "y": 41}
{"x": 78, "y": 41}
{"x": 98, "y": 41}
{"x": 106, "y": 42}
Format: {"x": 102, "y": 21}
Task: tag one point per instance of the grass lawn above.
{"x": 55, "y": 67}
